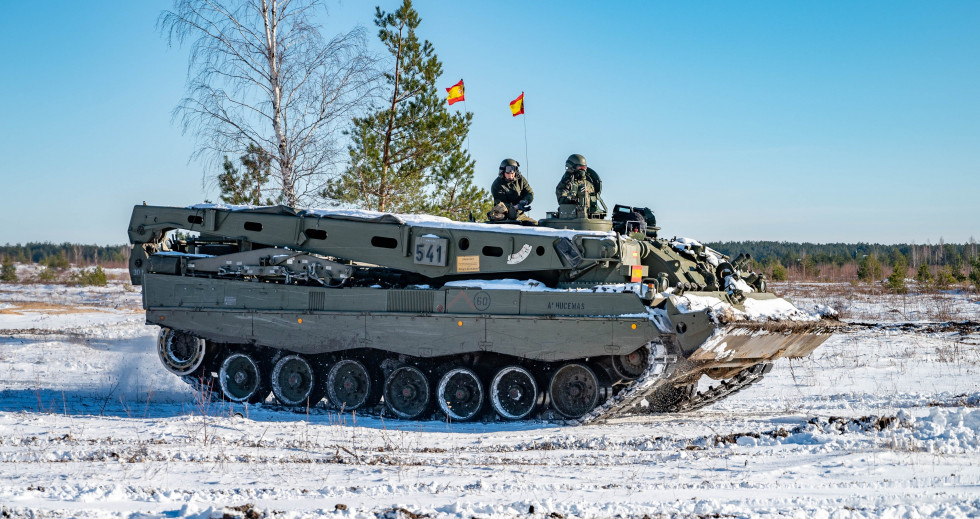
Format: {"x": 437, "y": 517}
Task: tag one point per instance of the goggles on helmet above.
{"x": 573, "y": 167}
{"x": 509, "y": 169}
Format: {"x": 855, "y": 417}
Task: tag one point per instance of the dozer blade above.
{"x": 738, "y": 354}
{"x": 745, "y": 343}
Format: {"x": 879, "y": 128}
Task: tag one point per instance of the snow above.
{"x": 685, "y": 244}
{"x": 428, "y": 221}
{"x": 736, "y": 283}
{"x": 880, "y": 421}
{"x": 755, "y": 309}
{"x": 524, "y": 285}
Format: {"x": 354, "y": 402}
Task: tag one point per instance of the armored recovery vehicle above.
{"x": 578, "y": 317}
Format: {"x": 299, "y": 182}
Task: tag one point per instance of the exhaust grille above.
{"x": 411, "y": 301}
{"x": 317, "y": 300}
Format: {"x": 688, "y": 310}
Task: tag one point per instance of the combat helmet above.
{"x": 574, "y": 162}
{"x": 509, "y": 162}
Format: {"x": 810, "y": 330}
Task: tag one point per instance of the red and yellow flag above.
{"x": 517, "y": 105}
{"x": 456, "y": 93}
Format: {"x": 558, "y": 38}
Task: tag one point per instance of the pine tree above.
{"x": 778, "y": 271}
{"x": 923, "y": 276}
{"x": 869, "y": 269}
{"x": 8, "y": 271}
{"x": 248, "y": 185}
{"x": 810, "y": 270}
{"x": 900, "y": 267}
{"x": 944, "y": 278}
{"x": 975, "y": 274}
{"x": 408, "y": 155}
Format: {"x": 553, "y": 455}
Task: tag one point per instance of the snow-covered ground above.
{"x": 878, "y": 422}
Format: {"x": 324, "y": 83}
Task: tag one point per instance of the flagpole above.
{"x": 467, "y": 131}
{"x": 527, "y": 164}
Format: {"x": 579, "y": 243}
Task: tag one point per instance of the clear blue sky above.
{"x": 797, "y": 121}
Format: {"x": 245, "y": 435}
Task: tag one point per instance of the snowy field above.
{"x": 881, "y": 421}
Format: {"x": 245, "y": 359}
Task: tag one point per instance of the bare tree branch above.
{"x": 262, "y": 75}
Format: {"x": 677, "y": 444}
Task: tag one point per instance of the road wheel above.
{"x": 513, "y": 393}
{"x": 241, "y": 380}
{"x": 294, "y": 382}
{"x": 631, "y": 365}
{"x": 349, "y": 385}
{"x": 181, "y": 353}
{"x": 460, "y": 394}
{"x": 574, "y": 390}
{"x": 407, "y": 392}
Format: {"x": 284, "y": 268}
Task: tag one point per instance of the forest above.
{"x": 941, "y": 263}
{"x": 953, "y": 263}
{"x": 66, "y": 254}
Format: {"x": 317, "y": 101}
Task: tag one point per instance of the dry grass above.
{"x": 22, "y": 307}
{"x": 863, "y": 301}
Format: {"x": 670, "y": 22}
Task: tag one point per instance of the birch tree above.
{"x": 261, "y": 75}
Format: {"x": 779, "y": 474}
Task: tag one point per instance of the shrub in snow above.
{"x": 8, "y": 272}
{"x": 47, "y": 275}
{"x": 59, "y": 262}
{"x": 95, "y": 277}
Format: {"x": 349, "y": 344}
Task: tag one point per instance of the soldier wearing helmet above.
{"x": 512, "y": 195}
{"x": 580, "y": 185}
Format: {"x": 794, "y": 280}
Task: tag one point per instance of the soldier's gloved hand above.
{"x": 523, "y": 206}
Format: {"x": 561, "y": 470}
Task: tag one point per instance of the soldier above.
{"x": 580, "y": 185}
{"x": 511, "y": 193}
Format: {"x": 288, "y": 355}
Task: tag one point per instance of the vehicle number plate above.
{"x": 431, "y": 251}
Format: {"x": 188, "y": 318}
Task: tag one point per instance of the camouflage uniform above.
{"x": 567, "y": 190}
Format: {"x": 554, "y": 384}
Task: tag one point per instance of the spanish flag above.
{"x": 517, "y": 105}
{"x": 456, "y": 93}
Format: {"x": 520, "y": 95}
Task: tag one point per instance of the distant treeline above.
{"x": 811, "y": 260}
{"x": 67, "y": 253}
{"x": 789, "y": 254}
{"x": 946, "y": 262}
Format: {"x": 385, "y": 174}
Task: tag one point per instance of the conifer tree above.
{"x": 247, "y": 186}
{"x": 869, "y": 269}
{"x": 407, "y": 156}
{"x": 975, "y": 274}
{"x": 944, "y": 278}
{"x": 8, "y": 271}
{"x": 778, "y": 271}
{"x": 923, "y": 276}
{"x": 900, "y": 267}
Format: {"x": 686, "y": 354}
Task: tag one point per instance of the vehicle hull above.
{"x": 314, "y": 321}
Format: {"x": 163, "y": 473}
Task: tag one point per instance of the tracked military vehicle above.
{"x": 579, "y": 317}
